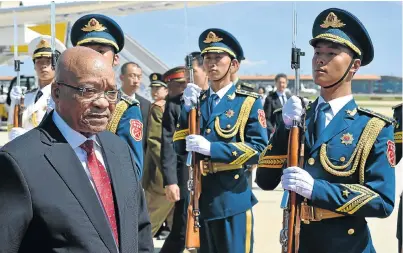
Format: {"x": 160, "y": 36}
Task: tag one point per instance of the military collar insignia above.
{"x": 270, "y": 146}
{"x": 154, "y": 77}
{"x": 229, "y": 113}
{"x": 93, "y": 25}
{"x": 43, "y": 44}
{"x": 347, "y": 139}
{"x": 204, "y": 96}
{"x": 212, "y": 37}
{"x": 231, "y": 96}
{"x": 332, "y": 21}
{"x": 234, "y": 153}
{"x": 351, "y": 112}
{"x": 346, "y": 193}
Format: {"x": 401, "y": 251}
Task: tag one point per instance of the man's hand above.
{"x": 298, "y": 180}
{"x": 172, "y": 192}
{"x": 191, "y": 94}
{"x": 292, "y": 110}
{"x": 197, "y": 143}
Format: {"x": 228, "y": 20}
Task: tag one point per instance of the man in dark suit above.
{"x": 68, "y": 185}
{"x": 274, "y": 101}
{"x": 131, "y": 75}
{"x": 174, "y": 170}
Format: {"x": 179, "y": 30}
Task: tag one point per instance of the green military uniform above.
{"x": 159, "y": 208}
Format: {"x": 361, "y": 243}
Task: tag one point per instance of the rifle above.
{"x": 289, "y": 235}
{"x": 18, "y": 108}
{"x": 53, "y": 32}
{"x": 194, "y": 184}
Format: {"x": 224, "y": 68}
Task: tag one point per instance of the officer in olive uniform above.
{"x": 233, "y": 134}
{"x": 104, "y": 35}
{"x": 174, "y": 170}
{"x": 348, "y": 173}
{"x": 397, "y": 115}
{"x": 37, "y": 102}
{"x": 159, "y": 207}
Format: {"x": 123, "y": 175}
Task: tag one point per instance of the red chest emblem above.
{"x": 262, "y": 118}
{"x": 136, "y": 129}
{"x": 390, "y": 153}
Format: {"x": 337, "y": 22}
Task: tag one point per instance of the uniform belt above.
{"x": 311, "y": 213}
{"x": 210, "y": 167}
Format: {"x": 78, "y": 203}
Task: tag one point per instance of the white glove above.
{"x": 298, "y": 180}
{"x": 292, "y": 110}
{"x": 15, "y": 132}
{"x": 197, "y": 143}
{"x": 191, "y": 94}
{"x": 16, "y": 93}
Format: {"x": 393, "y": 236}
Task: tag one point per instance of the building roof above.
{"x": 6, "y": 78}
{"x": 303, "y": 77}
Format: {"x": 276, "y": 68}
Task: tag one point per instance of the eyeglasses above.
{"x": 91, "y": 94}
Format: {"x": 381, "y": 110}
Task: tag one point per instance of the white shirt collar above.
{"x": 221, "y": 93}
{"x": 336, "y": 104}
{"x": 74, "y": 138}
{"x": 279, "y": 94}
{"x": 132, "y": 96}
{"x": 46, "y": 90}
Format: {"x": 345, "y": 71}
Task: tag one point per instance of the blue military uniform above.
{"x": 352, "y": 161}
{"x": 237, "y": 132}
{"x": 126, "y": 120}
{"x": 397, "y": 115}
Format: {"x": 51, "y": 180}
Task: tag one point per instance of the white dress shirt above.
{"x": 75, "y": 139}
{"x": 335, "y": 106}
{"x": 221, "y": 93}
{"x": 281, "y": 96}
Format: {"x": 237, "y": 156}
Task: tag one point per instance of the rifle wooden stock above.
{"x": 17, "y": 117}
{"x": 292, "y": 160}
{"x": 192, "y": 227}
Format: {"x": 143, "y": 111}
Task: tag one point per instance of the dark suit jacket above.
{"x": 145, "y": 105}
{"x": 272, "y": 103}
{"x": 49, "y": 205}
{"x": 173, "y": 167}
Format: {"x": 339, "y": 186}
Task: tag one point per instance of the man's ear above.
{"x": 55, "y": 91}
{"x": 356, "y": 65}
{"x": 116, "y": 60}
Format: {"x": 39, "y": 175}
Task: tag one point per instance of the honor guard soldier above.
{"x": 37, "y": 101}
{"x": 348, "y": 172}
{"x": 105, "y": 36}
{"x": 159, "y": 208}
{"x": 233, "y": 134}
{"x": 397, "y": 115}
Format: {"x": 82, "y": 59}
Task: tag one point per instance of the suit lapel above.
{"x": 66, "y": 163}
{"x": 339, "y": 123}
{"x": 223, "y": 105}
{"x": 123, "y": 185}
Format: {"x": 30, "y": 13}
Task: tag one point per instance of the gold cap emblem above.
{"x": 212, "y": 37}
{"x": 43, "y": 44}
{"x": 154, "y": 77}
{"x": 93, "y": 25}
{"x": 332, "y": 21}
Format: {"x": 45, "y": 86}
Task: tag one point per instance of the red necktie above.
{"x": 102, "y": 183}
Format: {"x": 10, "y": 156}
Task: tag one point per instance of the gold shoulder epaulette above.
{"x": 375, "y": 114}
{"x": 397, "y": 106}
{"x": 278, "y": 110}
{"x": 247, "y": 93}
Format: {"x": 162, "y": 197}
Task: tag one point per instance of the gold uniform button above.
{"x": 228, "y": 126}
{"x": 236, "y": 176}
{"x": 208, "y": 130}
{"x": 350, "y": 231}
{"x": 342, "y": 159}
{"x": 311, "y": 161}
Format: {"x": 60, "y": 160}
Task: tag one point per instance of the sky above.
{"x": 264, "y": 30}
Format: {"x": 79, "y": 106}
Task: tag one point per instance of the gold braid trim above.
{"x": 365, "y": 196}
{"x": 339, "y": 39}
{"x": 398, "y": 137}
{"x": 180, "y": 135}
{"x": 248, "y": 152}
{"x": 240, "y": 123}
{"x": 34, "y": 119}
{"x": 121, "y": 107}
{"x": 360, "y": 154}
{"x": 273, "y": 162}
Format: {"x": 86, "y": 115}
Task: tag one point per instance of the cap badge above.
{"x": 212, "y": 37}
{"x": 93, "y": 25}
{"x": 332, "y": 21}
